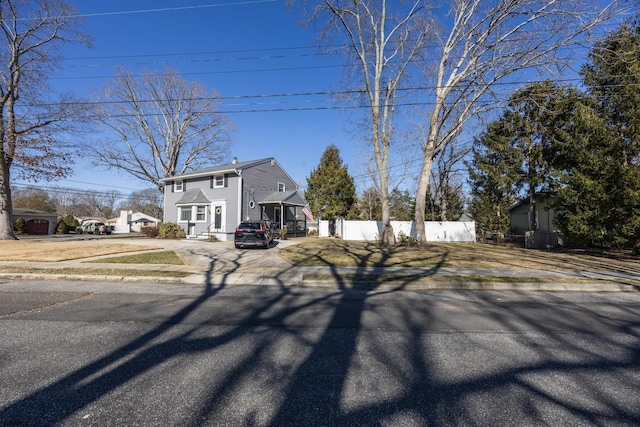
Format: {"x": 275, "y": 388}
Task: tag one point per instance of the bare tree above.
{"x": 485, "y": 43}
{"x": 164, "y": 125}
{"x": 381, "y": 46}
{"x": 446, "y": 179}
{"x": 146, "y": 200}
{"x": 31, "y": 33}
{"x": 475, "y": 46}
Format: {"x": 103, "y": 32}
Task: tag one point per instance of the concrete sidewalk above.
{"x": 220, "y": 264}
{"x": 341, "y": 278}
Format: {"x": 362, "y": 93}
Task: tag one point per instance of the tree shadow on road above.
{"x": 376, "y": 357}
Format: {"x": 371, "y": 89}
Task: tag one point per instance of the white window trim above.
{"x": 180, "y": 220}
{"x": 284, "y": 188}
{"x": 178, "y": 186}
{"x": 222, "y": 204}
{"x": 194, "y": 214}
{"x": 215, "y": 181}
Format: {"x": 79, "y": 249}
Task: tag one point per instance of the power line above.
{"x": 331, "y": 94}
{"x": 156, "y": 10}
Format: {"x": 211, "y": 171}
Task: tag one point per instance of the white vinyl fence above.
{"x": 446, "y": 231}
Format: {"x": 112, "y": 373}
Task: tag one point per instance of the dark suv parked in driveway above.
{"x": 253, "y": 233}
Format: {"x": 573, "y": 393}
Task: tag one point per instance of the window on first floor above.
{"x": 193, "y": 213}
{"x": 185, "y": 213}
{"x": 200, "y": 213}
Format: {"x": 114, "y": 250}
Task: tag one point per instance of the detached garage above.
{"x": 38, "y": 222}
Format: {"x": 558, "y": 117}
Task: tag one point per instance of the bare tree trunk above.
{"x": 6, "y": 206}
{"x": 443, "y": 206}
{"x": 484, "y": 46}
{"x": 421, "y": 197}
{"x": 31, "y": 33}
{"x": 383, "y": 41}
{"x": 532, "y": 208}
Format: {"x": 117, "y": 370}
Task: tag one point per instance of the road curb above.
{"x": 292, "y": 279}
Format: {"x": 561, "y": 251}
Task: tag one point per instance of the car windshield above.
{"x": 250, "y": 226}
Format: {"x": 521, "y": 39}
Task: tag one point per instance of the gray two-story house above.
{"x": 213, "y": 201}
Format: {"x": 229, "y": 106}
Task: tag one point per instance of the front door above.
{"x": 217, "y": 217}
{"x": 277, "y": 217}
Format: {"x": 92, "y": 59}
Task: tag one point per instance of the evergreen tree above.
{"x": 516, "y": 160}
{"x": 492, "y": 176}
{"x": 401, "y": 205}
{"x": 534, "y": 115}
{"x": 331, "y": 192}
{"x": 67, "y": 223}
{"x": 449, "y": 196}
{"x": 599, "y": 155}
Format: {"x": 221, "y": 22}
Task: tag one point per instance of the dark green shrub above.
{"x": 20, "y": 226}
{"x": 67, "y": 224}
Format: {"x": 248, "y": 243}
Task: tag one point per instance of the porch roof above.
{"x": 290, "y": 198}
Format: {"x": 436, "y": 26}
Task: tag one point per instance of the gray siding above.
{"x": 225, "y": 197}
{"x": 238, "y": 199}
{"x": 259, "y": 182}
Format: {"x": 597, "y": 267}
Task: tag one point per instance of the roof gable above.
{"x": 539, "y": 195}
{"x": 193, "y": 197}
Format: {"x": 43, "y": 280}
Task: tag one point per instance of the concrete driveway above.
{"x": 222, "y": 256}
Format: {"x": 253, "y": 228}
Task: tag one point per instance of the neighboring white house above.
{"x": 129, "y": 221}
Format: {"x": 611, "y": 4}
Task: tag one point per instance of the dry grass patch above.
{"x": 93, "y": 272}
{"x": 156, "y": 257}
{"x": 20, "y": 250}
{"x": 334, "y": 252}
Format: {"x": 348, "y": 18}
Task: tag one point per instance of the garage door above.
{"x": 37, "y": 226}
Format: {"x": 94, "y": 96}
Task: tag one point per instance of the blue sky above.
{"x": 238, "y": 48}
{"x": 253, "y": 53}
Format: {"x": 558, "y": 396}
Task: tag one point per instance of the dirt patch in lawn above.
{"x": 20, "y": 250}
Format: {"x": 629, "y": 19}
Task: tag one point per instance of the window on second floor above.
{"x": 281, "y": 187}
{"x": 218, "y": 181}
{"x": 178, "y": 186}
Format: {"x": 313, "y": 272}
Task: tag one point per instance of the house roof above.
{"x": 193, "y": 197}
{"x": 31, "y": 212}
{"x": 144, "y": 219}
{"x": 526, "y": 200}
{"x": 228, "y": 168}
{"x": 292, "y": 198}
{"x": 138, "y": 215}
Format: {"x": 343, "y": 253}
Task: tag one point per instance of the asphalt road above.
{"x": 107, "y": 354}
